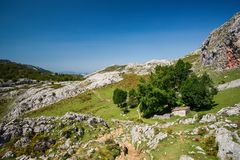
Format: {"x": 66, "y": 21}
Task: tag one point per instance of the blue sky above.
{"x": 86, "y": 35}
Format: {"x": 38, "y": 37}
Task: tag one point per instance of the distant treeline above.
{"x": 14, "y": 71}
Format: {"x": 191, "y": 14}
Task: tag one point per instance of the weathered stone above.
{"x": 208, "y": 118}
{"x": 229, "y": 111}
{"x": 23, "y": 157}
{"x": 186, "y": 157}
{"x": 23, "y": 142}
{"x": 227, "y": 148}
{"x": 221, "y": 50}
{"x": 189, "y": 120}
{"x": 148, "y": 134}
{"x": 8, "y": 154}
{"x": 153, "y": 143}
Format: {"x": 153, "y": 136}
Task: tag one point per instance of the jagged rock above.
{"x": 44, "y": 144}
{"x": 186, "y": 157}
{"x": 189, "y": 120}
{"x": 23, "y": 157}
{"x": 208, "y": 118}
{"x": 70, "y": 151}
{"x": 27, "y": 127}
{"x": 23, "y": 142}
{"x": 229, "y": 111}
{"x": 80, "y": 132}
{"x": 146, "y": 133}
{"x": 200, "y": 150}
{"x": 8, "y": 154}
{"x": 66, "y": 145}
{"x": 221, "y": 49}
{"x": 154, "y": 142}
{"x": 227, "y": 148}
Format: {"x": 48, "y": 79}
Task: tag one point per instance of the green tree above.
{"x": 132, "y": 99}
{"x": 119, "y": 97}
{"x": 152, "y": 100}
{"x": 181, "y": 72}
{"x": 198, "y": 92}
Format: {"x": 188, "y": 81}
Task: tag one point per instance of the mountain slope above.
{"x": 13, "y": 71}
{"x": 221, "y": 50}
{"x": 60, "y": 134}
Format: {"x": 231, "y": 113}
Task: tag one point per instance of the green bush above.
{"x": 119, "y": 97}
{"x": 132, "y": 99}
{"x": 198, "y": 92}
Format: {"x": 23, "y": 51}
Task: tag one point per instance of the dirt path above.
{"x": 132, "y": 154}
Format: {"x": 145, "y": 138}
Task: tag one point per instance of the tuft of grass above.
{"x": 191, "y": 58}
{"x": 226, "y": 98}
{"x": 220, "y": 77}
{"x": 113, "y": 68}
{"x": 56, "y": 85}
{"x": 4, "y": 106}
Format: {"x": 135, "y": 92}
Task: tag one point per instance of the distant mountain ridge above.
{"x": 13, "y": 71}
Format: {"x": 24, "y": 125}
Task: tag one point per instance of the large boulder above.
{"x": 227, "y": 147}
{"x": 189, "y": 120}
{"x": 208, "y": 118}
{"x": 186, "y": 157}
{"x": 229, "y": 111}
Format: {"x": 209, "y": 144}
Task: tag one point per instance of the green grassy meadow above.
{"x": 99, "y": 102}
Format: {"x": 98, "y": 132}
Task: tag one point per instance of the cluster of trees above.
{"x": 169, "y": 87}
{"x": 14, "y": 71}
{"x": 124, "y": 99}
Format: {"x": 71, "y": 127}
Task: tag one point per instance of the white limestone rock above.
{"x": 227, "y": 148}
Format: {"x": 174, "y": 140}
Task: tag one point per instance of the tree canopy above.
{"x": 173, "y": 86}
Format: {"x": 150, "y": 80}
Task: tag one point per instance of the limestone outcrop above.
{"x": 221, "y": 49}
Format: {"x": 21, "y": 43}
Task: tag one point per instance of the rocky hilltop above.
{"x": 135, "y": 68}
{"x": 221, "y": 50}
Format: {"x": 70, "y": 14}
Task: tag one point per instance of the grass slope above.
{"x": 4, "y": 106}
{"x": 99, "y": 102}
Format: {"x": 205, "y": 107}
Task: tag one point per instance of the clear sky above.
{"x": 85, "y": 35}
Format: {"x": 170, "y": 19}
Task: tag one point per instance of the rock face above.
{"x": 221, "y": 50}
{"x": 228, "y": 149}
